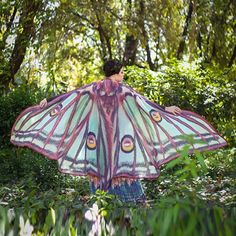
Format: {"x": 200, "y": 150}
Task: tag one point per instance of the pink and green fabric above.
{"x": 110, "y": 133}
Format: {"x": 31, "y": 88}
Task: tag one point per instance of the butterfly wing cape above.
{"x": 109, "y": 132}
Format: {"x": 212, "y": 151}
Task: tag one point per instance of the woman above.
{"x": 112, "y": 134}
{"x": 113, "y": 69}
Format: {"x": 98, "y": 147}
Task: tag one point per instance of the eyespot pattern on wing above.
{"x": 155, "y": 115}
{"x": 127, "y": 143}
{"x": 91, "y": 141}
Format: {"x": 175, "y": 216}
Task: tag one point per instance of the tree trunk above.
{"x": 104, "y": 38}
{"x": 199, "y": 41}
{"x": 8, "y": 29}
{"x": 29, "y": 10}
{"x": 231, "y": 61}
{"x": 131, "y": 44}
{"x": 130, "y": 50}
{"x": 145, "y": 35}
{"x": 185, "y": 31}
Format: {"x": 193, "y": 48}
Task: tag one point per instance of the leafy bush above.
{"x": 23, "y": 171}
{"x": 168, "y": 217}
{"x": 12, "y": 105}
{"x": 184, "y": 204}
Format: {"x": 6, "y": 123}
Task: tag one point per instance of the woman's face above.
{"x": 121, "y": 75}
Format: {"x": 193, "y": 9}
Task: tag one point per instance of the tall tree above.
{"x": 142, "y": 14}
{"x": 131, "y": 41}
{"x": 70, "y": 36}
{"x": 185, "y": 31}
{"x": 25, "y": 31}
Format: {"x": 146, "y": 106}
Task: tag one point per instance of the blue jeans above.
{"x": 126, "y": 193}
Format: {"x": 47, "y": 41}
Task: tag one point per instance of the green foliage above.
{"x": 13, "y": 104}
{"x": 105, "y": 201}
{"x": 168, "y": 217}
{"x": 185, "y": 203}
{"x": 22, "y": 164}
{"x": 29, "y": 179}
{"x": 208, "y": 176}
{"x": 68, "y": 40}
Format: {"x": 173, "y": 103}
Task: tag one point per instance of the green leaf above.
{"x": 174, "y": 162}
{"x": 201, "y": 160}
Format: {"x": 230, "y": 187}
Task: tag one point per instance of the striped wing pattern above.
{"x": 109, "y": 135}
{"x": 65, "y": 131}
{"x": 155, "y": 136}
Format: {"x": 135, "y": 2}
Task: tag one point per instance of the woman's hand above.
{"x": 43, "y": 103}
{"x": 173, "y": 109}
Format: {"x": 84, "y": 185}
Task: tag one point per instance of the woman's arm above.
{"x": 173, "y": 109}
{"x": 45, "y": 101}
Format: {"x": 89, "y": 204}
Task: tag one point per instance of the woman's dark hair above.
{"x": 112, "y": 67}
